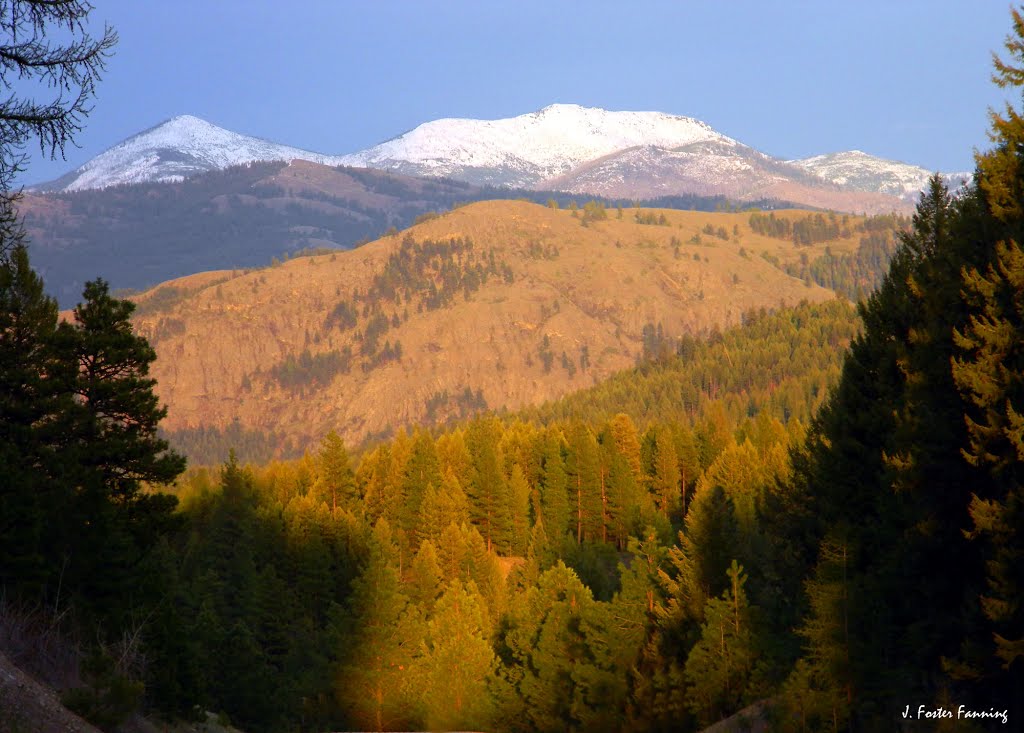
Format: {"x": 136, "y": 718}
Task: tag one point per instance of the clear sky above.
{"x": 902, "y": 79}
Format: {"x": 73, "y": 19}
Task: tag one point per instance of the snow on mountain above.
{"x": 563, "y": 146}
{"x": 707, "y": 167}
{"x": 714, "y": 168}
{"x": 862, "y": 172}
{"x": 523, "y": 150}
{"x": 182, "y": 146}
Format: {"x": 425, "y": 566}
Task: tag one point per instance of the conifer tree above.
{"x": 554, "y": 490}
{"x": 79, "y": 420}
{"x": 488, "y": 489}
{"x": 545, "y": 642}
{"x": 665, "y": 478}
{"x": 624, "y": 435}
{"x": 452, "y": 551}
{"x": 335, "y": 480}
{"x": 519, "y": 491}
{"x": 706, "y": 544}
{"x": 719, "y": 666}
{"x": 28, "y": 396}
{"x": 583, "y": 471}
{"x": 991, "y": 375}
{"x": 376, "y": 685}
{"x": 442, "y": 507}
{"x": 420, "y": 472}
{"x": 425, "y": 577}
{"x": 457, "y": 662}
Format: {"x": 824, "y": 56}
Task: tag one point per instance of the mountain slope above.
{"x": 524, "y": 150}
{"x": 566, "y": 147}
{"x": 176, "y": 149}
{"x": 496, "y": 304}
{"x": 139, "y": 235}
{"x": 714, "y": 168}
{"x": 862, "y": 172}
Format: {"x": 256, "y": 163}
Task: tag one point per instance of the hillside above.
{"x": 135, "y": 236}
{"x": 496, "y": 304}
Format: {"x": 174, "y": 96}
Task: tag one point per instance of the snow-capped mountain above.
{"x": 862, "y": 172}
{"x": 714, "y": 168}
{"x": 561, "y": 147}
{"x": 179, "y": 148}
{"x": 525, "y": 150}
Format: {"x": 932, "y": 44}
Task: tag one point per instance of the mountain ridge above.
{"x": 173, "y": 150}
{"x": 561, "y": 144}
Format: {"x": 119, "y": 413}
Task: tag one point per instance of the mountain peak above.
{"x": 175, "y": 149}
{"x": 865, "y": 172}
{"x": 524, "y": 150}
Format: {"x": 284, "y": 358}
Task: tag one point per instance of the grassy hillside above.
{"x": 496, "y": 305}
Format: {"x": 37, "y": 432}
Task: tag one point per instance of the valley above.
{"x": 578, "y": 419}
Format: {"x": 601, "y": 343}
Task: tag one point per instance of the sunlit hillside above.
{"x": 497, "y": 305}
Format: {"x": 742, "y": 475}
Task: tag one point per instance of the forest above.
{"x": 815, "y": 516}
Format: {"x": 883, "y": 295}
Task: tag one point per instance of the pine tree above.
{"x": 665, "y": 478}
{"x": 991, "y": 374}
{"x": 519, "y": 491}
{"x": 421, "y": 471}
{"x": 29, "y": 396}
{"x": 425, "y": 577}
{"x": 457, "y": 662}
{"x": 719, "y": 666}
{"x": 583, "y": 471}
{"x": 375, "y": 682}
{"x": 79, "y": 419}
{"x": 488, "y": 489}
{"x": 335, "y": 480}
{"x": 554, "y": 490}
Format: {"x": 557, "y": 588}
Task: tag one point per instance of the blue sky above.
{"x": 904, "y": 79}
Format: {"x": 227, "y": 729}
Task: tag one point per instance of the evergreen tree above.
{"x": 719, "y": 666}
{"x": 545, "y": 642}
{"x": 29, "y": 397}
{"x": 488, "y": 489}
{"x": 706, "y": 544}
{"x": 991, "y": 375}
{"x": 457, "y": 662}
{"x": 79, "y": 420}
{"x": 665, "y": 478}
{"x": 554, "y": 490}
{"x": 376, "y": 685}
{"x": 421, "y": 470}
{"x": 583, "y": 471}
{"x": 425, "y": 577}
{"x": 335, "y": 480}
{"x": 519, "y": 491}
